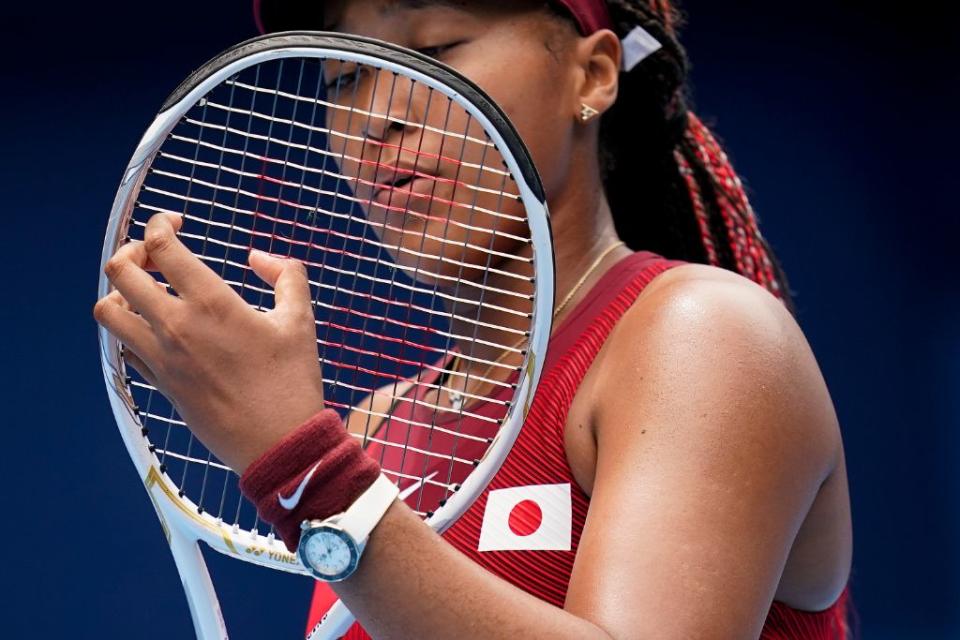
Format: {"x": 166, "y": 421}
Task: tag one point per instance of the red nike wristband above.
{"x": 315, "y": 472}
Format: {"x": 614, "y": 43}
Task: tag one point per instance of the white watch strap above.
{"x": 365, "y": 513}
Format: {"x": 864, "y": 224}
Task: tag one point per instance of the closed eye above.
{"x": 439, "y": 50}
{"x": 344, "y": 76}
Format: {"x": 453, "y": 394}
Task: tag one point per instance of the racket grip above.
{"x": 315, "y": 472}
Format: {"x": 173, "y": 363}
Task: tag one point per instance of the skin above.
{"x": 717, "y": 482}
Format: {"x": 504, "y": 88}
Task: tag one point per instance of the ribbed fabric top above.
{"x": 536, "y": 552}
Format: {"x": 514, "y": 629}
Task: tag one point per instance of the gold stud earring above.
{"x": 587, "y": 113}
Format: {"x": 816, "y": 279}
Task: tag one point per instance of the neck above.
{"x": 583, "y": 230}
{"x": 583, "y": 236}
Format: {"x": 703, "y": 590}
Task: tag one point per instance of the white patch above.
{"x": 638, "y": 45}
{"x": 550, "y": 532}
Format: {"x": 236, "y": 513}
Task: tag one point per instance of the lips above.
{"x": 405, "y": 185}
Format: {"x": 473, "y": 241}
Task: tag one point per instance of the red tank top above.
{"x": 530, "y": 532}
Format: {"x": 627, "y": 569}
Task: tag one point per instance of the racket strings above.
{"x": 346, "y": 253}
{"x": 400, "y": 284}
{"x": 323, "y": 152}
{"x": 463, "y": 392}
{"x": 146, "y": 414}
{"x": 362, "y": 112}
{"x": 333, "y": 133}
{"x": 366, "y": 319}
{"x": 356, "y": 181}
{"x": 346, "y": 236}
{"x": 368, "y": 424}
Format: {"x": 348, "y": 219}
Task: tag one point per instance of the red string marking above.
{"x": 358, "y": 369}
{"x": 365, "y": 140}
{"x": 332, "y": 232}
{"x": 370, "y": 316}
{"x": 386, "y": 187}
{"x": 312, "y": 245}
{"x": 394, "y": 168}
{"x": 367, "y": 352}
{"x": 419, "y": 152}
{"x": 407, "y": 305}
{"x": 387, "y": 301}
{"x": 360, "y": 294}
{"x": 381, "y": 337}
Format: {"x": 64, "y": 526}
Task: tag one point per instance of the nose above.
{"x": 380, "y": 128}
{"x": 393, "y": 107}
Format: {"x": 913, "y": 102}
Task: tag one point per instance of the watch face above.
{"x": 329, "y": 553}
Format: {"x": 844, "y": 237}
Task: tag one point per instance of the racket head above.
{"x": 181, "y": 476}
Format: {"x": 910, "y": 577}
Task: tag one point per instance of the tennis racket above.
{"x": 422, "y": 221}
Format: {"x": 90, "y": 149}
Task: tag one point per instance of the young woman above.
{"x": 681, "y": 405}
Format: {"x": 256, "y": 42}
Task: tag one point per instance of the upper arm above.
{"x": 714, "y": 431}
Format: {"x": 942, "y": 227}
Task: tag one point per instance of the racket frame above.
{"x": 183, "y": 522}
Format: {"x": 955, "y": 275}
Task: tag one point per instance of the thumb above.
{"x": 287, "y": 276}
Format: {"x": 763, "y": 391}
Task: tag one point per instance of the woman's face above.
{"x": 413, "y": 179}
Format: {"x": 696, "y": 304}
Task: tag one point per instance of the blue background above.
{"x": 840, "y": 118}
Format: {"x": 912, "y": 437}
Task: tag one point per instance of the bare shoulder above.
{"x": 719, "y": 297}
{"x": 704, "y": 337}
{"x": 717, "y": 450}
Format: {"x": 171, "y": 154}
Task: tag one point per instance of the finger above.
{"x": 121, "y": 301}
{"x": 131, "y": 329}
{"x": 132, "y": 359}
{"x": 125, "y": 304}
{"x": 288, "y": 277}
{"x": 188, "y": 275}
{"x": 138, "y": 288}
{"x": 115, "y": 297}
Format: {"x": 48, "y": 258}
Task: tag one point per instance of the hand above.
{"x": 241, "y": 379}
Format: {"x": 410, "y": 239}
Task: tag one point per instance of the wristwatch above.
{"x": 330, "y": 549}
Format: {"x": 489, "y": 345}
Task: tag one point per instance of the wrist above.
{"x": 315, "y": 472}
{"x": 266, "y": 433}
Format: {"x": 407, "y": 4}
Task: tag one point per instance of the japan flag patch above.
{"x": 534, "y": 518}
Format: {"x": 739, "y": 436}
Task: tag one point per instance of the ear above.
{"x": 598, "y": 57}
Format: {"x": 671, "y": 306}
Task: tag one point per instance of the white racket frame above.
{"x": 183, "y": 523}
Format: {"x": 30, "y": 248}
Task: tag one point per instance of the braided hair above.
{"x": 693, "y": 205}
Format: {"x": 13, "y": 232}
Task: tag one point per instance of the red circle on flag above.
{"x": 525, "y": 518}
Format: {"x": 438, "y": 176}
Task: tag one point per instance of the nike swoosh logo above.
{"x": 291, "y": 503}
{"x": 412, "y": 489}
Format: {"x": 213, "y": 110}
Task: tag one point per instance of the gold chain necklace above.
{"x": 580, "y": 283}
{"x": 456, "y": 397}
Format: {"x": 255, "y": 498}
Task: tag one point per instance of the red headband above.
{"x": 591, "y": 15}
